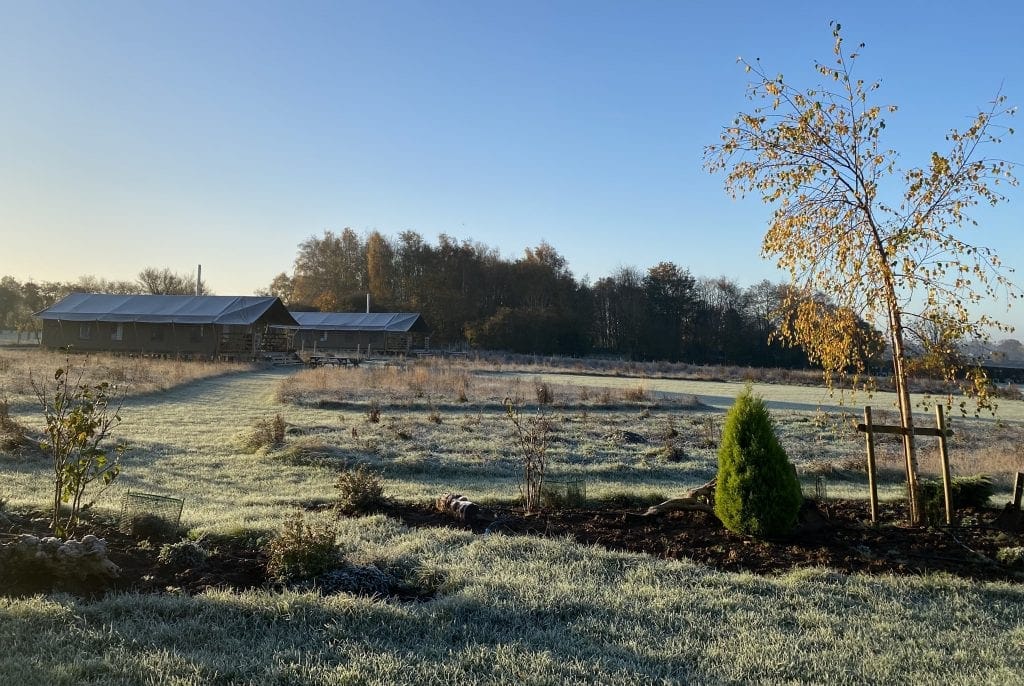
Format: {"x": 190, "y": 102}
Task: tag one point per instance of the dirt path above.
{"x": 202, "y": 414}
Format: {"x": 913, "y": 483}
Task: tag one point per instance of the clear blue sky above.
{"x": 138, "y": 134}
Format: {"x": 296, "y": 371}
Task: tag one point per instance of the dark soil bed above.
{"x": 836, "y": 535}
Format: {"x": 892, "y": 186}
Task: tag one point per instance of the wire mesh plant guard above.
{"x": 566, "y": 492}
{"x": 150, "y": 515}
{"x": 820, "y": 488}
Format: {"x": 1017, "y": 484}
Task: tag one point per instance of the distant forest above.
{"x": 469, "y": 293}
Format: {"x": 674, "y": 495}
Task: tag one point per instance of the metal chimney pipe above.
{"x": 199, "y": 280}
{"x": 367, "y": 303}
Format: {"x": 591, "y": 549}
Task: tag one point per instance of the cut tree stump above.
{"x": 701, "y": 499}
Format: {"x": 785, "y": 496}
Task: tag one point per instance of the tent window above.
{"x": 323, "y": 336}
{"x": 84, "y": 331}
{"x": 117, "y": 333}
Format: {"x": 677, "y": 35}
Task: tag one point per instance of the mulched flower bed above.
{"x": 836, "y": 534}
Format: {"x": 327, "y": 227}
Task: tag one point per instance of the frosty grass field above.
{"x": 508, "y": 609}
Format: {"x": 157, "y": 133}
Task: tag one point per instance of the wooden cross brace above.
{"x": 940, "y": 430}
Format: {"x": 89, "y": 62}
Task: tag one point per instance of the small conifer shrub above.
{"x": 302, "y": 550}
{"x": 360, "y": 490}
{"x": 758, "y": 493}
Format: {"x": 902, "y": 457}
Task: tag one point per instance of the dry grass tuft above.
{"x": 444, "y": 381}
{"x": 140, "y": 375}
{"x": 12, "y": 433}
{"x": 542, "y": 391}
{"x": 266, "y": 433}
{"x": 636, "y": 394}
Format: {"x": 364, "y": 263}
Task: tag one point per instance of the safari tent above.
{"x": 370, "y": 332}
{"x": 203, "y": 326}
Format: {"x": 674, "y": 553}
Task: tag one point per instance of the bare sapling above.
{"x": 532, "y": 436}
{"x": 79, "y": 420}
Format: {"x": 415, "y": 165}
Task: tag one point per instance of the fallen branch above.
{"x": 699, "y": 499}
{"x": 458, "y": 506}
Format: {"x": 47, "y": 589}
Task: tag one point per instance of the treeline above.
{"x": 468, "y": 292}
{"x": 20, "y": 300}
{"x": 533, "y": 304}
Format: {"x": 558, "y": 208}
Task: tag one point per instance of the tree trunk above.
{"x": 906, "y": 415}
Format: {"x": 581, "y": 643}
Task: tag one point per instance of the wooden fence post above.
{"x": 1018, "y": 489}
{"x": 947, "y": 486}
{"x": 872, "y": 482}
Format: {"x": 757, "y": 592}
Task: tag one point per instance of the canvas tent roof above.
{"x": 392, "y": 322}
{"x": 168, "y": 309}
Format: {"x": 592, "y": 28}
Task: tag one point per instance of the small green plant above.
{"x": 360, "y": 489}
{"x": 758, "y": 493}
{"x": 239, "y": 536}
{"x": 302, "y": 551}
{"x": 967, "y": 491}
{"x": 187, "y": 554}
{"x": 972, "y": 491}
{"x": 1011, "y": 557}
{"x": 79, "y": 419}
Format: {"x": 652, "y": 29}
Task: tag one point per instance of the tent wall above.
{"x": 133, "y": 337}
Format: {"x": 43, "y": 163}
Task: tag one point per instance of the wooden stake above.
{"x": 947, "y": 486}
{"x": 1018, "y": 489}
{"x": 872, "y": 482}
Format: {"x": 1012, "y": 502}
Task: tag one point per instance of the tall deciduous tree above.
{"x": 380, "y": 267}
{"x": 281, "y": 286}
{"x": 884, "y": 244}
{"x": 330, "y": 271}
{"x": 165, "y": 282}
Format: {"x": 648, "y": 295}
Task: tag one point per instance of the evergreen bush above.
{"x": 967, "y": 491}
{"x": 758, "y": 493}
